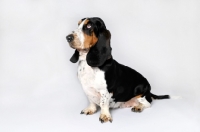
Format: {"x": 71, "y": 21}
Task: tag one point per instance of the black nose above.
{"x": 70, "y": 38}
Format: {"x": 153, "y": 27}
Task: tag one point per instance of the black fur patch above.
{"x": 124, "y": 82}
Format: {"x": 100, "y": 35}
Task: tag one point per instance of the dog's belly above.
{"x": 93, "y": 80}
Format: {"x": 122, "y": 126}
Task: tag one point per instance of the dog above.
{"x": 106, "y": 82}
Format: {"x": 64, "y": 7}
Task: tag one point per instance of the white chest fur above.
{"x": 92, "y": 79}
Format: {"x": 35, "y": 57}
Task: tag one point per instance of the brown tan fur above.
{"x": 86, "y": 21}
{"x": 132, "y": 102}
{"x": 89, "y": 40}
{"x": 79, "y": 22}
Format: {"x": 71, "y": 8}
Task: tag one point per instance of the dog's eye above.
{"x": 89, "y": 25}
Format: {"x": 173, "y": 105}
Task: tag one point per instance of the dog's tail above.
{"x": 164, "y": 96}
{"x": 160, "y": 96}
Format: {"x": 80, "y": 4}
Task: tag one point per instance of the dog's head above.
{"x": 90, "y": 31}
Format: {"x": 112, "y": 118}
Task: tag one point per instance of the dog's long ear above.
{"x": 75, "y": 57}
{"x": 101, "y": 51}
{"x": 99, "y": 25}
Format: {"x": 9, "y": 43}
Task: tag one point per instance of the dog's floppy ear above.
{"x": 99, "y": 25}
{"x": 101, "y": 51}
{"x": 75, "y": 57}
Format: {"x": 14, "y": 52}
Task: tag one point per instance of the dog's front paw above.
{"x": 88, "y": 111}
{"x": 104, "y": 118}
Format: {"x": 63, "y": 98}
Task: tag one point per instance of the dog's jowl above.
{"x": 106, "y": 83}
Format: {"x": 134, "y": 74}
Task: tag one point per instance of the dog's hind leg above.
{"x": 143, "y": 103}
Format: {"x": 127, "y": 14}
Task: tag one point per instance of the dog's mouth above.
{"x": 72, "y": 46}
{"x": 74, "y": 42}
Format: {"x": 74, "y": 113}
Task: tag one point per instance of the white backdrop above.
{"x": 39, "y": 90}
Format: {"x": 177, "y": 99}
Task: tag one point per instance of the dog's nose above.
{"x": 70, "y": 37}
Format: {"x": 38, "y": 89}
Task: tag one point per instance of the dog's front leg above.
{"x": 104, "y": 104}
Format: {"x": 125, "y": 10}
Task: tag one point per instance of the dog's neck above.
{"x": 83, "y": 54}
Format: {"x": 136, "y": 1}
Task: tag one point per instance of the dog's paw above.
{"x": 138, "y": 108}
{"x": 135, "y": 109}
{"x": 88, "y": 111}
{"x": 105, "y": 118}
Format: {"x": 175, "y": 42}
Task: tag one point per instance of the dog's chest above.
{"x": 92, "y": 80}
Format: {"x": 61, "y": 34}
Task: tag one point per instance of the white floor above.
{"x": 58, "y": 110}
{"x": 39, "y": 90}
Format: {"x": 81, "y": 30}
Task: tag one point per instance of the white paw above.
{"x": 89, "y": 111}
{"x": 105, "y": 118}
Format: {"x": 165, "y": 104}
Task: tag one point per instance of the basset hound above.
{"x": 106, "y": 82}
